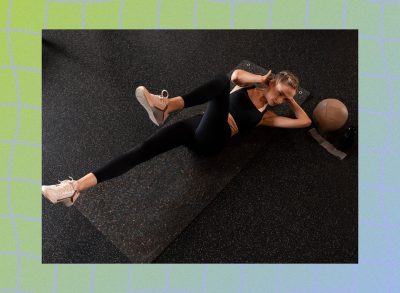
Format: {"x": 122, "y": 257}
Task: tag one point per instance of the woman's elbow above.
{"x": 234, "y": 76}
{"x": 307, "y": 123}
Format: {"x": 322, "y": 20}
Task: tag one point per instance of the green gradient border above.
{"x": 21, "y": 22}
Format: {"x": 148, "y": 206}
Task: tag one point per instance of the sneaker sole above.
{"x": 140, "y": 96}
{"x": 66, "y": 201}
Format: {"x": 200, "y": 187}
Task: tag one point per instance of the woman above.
{"x": 227, "y": 114}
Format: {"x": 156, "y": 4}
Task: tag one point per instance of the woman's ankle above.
{"x": 175, "y": 104}
{"x": 87, "y": 181}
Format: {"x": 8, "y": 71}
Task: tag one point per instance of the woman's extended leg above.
{"x": 166, "y": 138}
{"x": 169, "y": 137}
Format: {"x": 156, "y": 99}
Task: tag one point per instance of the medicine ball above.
{"x": 330, "y": 115}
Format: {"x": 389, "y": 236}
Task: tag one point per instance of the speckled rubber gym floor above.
{"x": 273, "y": 196}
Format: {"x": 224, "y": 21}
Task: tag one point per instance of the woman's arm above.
{"x": 298, "y": 111}
{"x": 244, "y": 78}
{"x": 271, "y": 119}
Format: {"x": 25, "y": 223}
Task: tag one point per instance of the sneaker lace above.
{"x": 162, "y": 98}
{"x": 66, "y": 187}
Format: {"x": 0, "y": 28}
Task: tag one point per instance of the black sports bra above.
{"x": 243, "y": 110}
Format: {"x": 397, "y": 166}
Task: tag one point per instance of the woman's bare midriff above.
{"x": 255, "y": 95}
{"x": 232, "y": 125}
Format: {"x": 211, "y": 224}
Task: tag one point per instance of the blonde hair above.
{"x": 287, "y": 77}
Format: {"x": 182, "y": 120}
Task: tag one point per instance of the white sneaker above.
{"x": 155, "y": 105}
{"x": 64, "y": 192}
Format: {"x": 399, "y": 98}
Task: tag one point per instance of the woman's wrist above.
{"x": 262, "y": 83}
{"x": 265, "y": 79}
{"x": 262, "y": 80}
{"x": 291, "y": 101}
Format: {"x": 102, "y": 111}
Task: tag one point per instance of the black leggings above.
{"x": 205, "y": 134}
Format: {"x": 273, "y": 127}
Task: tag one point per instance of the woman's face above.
{"x": 277, "y": 93}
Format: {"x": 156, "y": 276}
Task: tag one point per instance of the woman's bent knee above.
{"x": 224, "y": 79}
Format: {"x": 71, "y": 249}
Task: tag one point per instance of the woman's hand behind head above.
{"x": 266, "y": 79}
